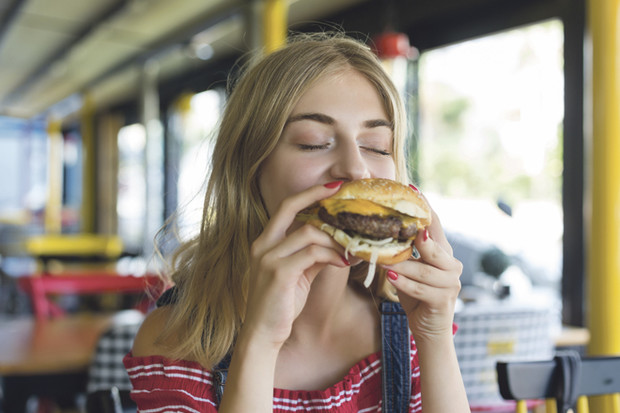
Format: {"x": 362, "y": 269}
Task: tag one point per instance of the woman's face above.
{"x": 338, "y": 130}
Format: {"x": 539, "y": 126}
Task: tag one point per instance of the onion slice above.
{"x": 371, "y": 268}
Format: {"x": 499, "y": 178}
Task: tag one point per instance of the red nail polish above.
{"x": 334, "y": 184}
{"x": 412, "y": 186}
{"x": 425, "y": 235}
{"x": 346, "y": 262}
{"x": 392, "y": 275}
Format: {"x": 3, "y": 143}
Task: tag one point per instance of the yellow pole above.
{"x": 53, "y": 207}
{"x": 521, "y": 406}
{"x": 582, "y": 405}
{"x": 88, "y": 164}
{"x": 551, "y": 406}
{"x": 275, "y": 22}
{"x": 604, "y": 243}
{"x": 183, "y": 103}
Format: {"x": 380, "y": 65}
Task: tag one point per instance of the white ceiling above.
{"x": 53, "y": 51}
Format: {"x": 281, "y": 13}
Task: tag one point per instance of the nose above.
{"x": 350, "y": 164}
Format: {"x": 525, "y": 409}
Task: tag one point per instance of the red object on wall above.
{"x": 392, "y": 44}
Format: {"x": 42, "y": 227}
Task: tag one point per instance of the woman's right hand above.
{"x": 284, "y": 262}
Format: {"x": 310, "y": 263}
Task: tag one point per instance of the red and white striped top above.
{"x": 164, "y": 385}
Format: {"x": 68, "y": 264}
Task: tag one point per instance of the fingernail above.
{"x": 346, "y": 262}
{"x": 425, "y": 235}
{"x": 392, "y": 275}
{"x": 334, "y": 184}
{"x": 412, "y": 186}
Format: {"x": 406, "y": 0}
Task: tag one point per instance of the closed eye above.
{"x": 377, "y": 151}
{"x": 305, "y": 147}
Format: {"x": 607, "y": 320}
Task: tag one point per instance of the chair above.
{"x": 504, "y": 331}
{"x": 112, "y": 400}
{"x": 86, "y": 250}
{"x": 40, "y": 288}
{"x": 63, "y": 246}
{"x": 108, "y": 384}
{"x": 564, "y": 382}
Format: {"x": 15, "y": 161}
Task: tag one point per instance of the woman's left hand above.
{"x": 428, "y": 287}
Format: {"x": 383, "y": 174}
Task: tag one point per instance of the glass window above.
{"x": 23, "y": 186}
{"x": 23, "y": 163}
{"x": 72, "y": 182}
{"x": 131, "y": 202}
{"x": 195, "y": 127}
{"x": 490, "y": 150}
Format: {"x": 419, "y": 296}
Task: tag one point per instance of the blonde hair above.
{"x": 211, "y": 271}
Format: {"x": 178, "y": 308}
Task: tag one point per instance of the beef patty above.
{"x": 369, "y": 226}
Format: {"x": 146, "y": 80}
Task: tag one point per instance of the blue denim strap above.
{"x": 395, "y": 355}
{"x": 395, "y": 358}
{"x": 220, "y": 372}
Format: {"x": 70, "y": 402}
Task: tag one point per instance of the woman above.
{"x": 279, "y": 296}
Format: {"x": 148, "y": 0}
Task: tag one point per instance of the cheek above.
{"x": 268, "y": 186}
{"x": 384, "y": 169}
{"x": 283, "y": 181}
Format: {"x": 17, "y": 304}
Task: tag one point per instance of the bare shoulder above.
{"x": 146, "y": 343}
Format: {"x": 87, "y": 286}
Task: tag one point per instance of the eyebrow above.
{"x": 317, "y": 117}
{"x": 328, "y": 120}
{"x": 375, "y": 123}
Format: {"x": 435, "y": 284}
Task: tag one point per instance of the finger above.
{"x": 433, "y": 253}
{"x": 289, "y": 208}
{"x": 437, "y": 233}
{"x": 303, "y": 237}
{"x": 307, "y": 261}
{"x": 431, "y": 294}
{"x": 413, "y": 289}
{"x": 421, "y": 272}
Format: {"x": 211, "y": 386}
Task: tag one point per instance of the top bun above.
{"x": 388, "y": 193}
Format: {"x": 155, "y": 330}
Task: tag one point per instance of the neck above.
{"x": 331, "y": 305}
{"x": 338, "y": 327}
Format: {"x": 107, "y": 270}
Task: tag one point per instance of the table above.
{"x": 48, "y": 358}
{"x": 33, "y": 346}
{"x": 571, "y": 336}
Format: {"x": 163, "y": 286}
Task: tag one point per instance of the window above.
{"x": 23, "y": 166}
{"x": 490, "y": 149}
{"x": 131, "y": 202}
{"x": 195, "y": 128}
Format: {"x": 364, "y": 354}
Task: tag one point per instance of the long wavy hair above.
{"x": 211, "y": 271}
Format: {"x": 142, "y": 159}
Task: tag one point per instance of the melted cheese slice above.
{"x": 365, "y": 207}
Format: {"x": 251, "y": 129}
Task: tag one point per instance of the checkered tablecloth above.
{"x": 487, "y": 334}
{"x": 107, "y": 370}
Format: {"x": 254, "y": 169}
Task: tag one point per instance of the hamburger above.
{"x": 374, "y": 219}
